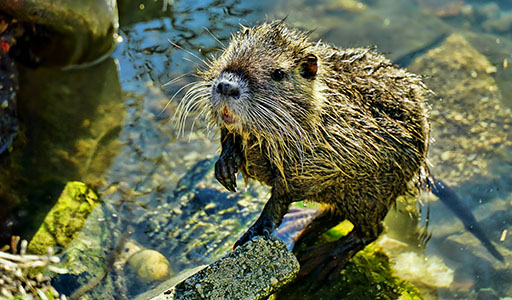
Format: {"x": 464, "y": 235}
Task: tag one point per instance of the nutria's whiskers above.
{"x": 197, "y": 96}
{"x": 215, "y": 37}
{"x": 174, "y": 80}
{"x": 199, "y": 59}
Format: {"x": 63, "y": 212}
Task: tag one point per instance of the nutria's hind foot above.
{"x": 264, "y": 226}
{"x": 322, "y": 263}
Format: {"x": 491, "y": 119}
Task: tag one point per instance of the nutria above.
{"x": 342, "y": 127}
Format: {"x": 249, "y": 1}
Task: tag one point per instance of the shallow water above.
{"x": 110, "y": 127}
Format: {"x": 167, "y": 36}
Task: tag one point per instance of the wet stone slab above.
{"x": 252, "y": 271}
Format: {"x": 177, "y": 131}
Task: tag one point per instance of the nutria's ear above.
{"x": 309, "y": 66}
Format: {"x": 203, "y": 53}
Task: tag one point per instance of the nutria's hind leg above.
{"x": 323, "y": 262}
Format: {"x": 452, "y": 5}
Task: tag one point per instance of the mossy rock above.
{"x": 65, "y": 219}
{"x": 86, "y": 259}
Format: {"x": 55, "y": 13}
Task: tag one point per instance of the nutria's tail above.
{"x": 450, "y": 199}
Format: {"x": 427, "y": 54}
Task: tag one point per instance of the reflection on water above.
{"x": 106, "y": 126}
{"x": 71, "y": 121}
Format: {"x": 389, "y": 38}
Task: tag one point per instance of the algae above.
{"x": 65, "y": 219}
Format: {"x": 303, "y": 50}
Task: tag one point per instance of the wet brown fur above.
{"x": 353, "y": 137}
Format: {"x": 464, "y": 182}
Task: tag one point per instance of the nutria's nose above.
{"x": 227, "y": 88}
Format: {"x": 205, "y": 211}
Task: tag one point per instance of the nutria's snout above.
{"x": 228, "y": 94}
{"x": 228, "y": 86}
{"x": 228, "y": 89}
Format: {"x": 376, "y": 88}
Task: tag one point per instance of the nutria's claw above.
{"x": 226, "y": 169}
{"x": 264, "y": 226}
{"x": 249, "y": 235}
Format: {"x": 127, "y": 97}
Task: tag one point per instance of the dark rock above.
{"x": 64, "y": 32}
{"x": 8, "y": 88}
{"x": 253, "y": 271}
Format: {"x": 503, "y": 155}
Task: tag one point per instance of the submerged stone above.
{"x": 415, "y": 267}
{"x": 150, "y": 265}
{"x": 64, "y": 32}
{"x": 65, "y": 219}
{"x": 87, "y": 257}
{"x": 469, "y": 121}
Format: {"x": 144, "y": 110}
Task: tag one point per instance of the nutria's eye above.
{"x": 277, "y": 75}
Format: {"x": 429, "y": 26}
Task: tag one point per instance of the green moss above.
{"x": 369, "y": 276}
{"x": 65, "y": 219}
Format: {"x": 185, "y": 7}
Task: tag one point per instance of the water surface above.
{"x": 110, "y": 126}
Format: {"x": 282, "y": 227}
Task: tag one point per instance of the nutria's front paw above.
{"x": 264, "y": 226}
{"x": 226, "y": 169}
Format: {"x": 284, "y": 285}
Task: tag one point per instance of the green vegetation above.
{"x": 66, "y": 219}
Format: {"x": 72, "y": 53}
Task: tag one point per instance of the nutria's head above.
{"x": 263, "y": 83}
